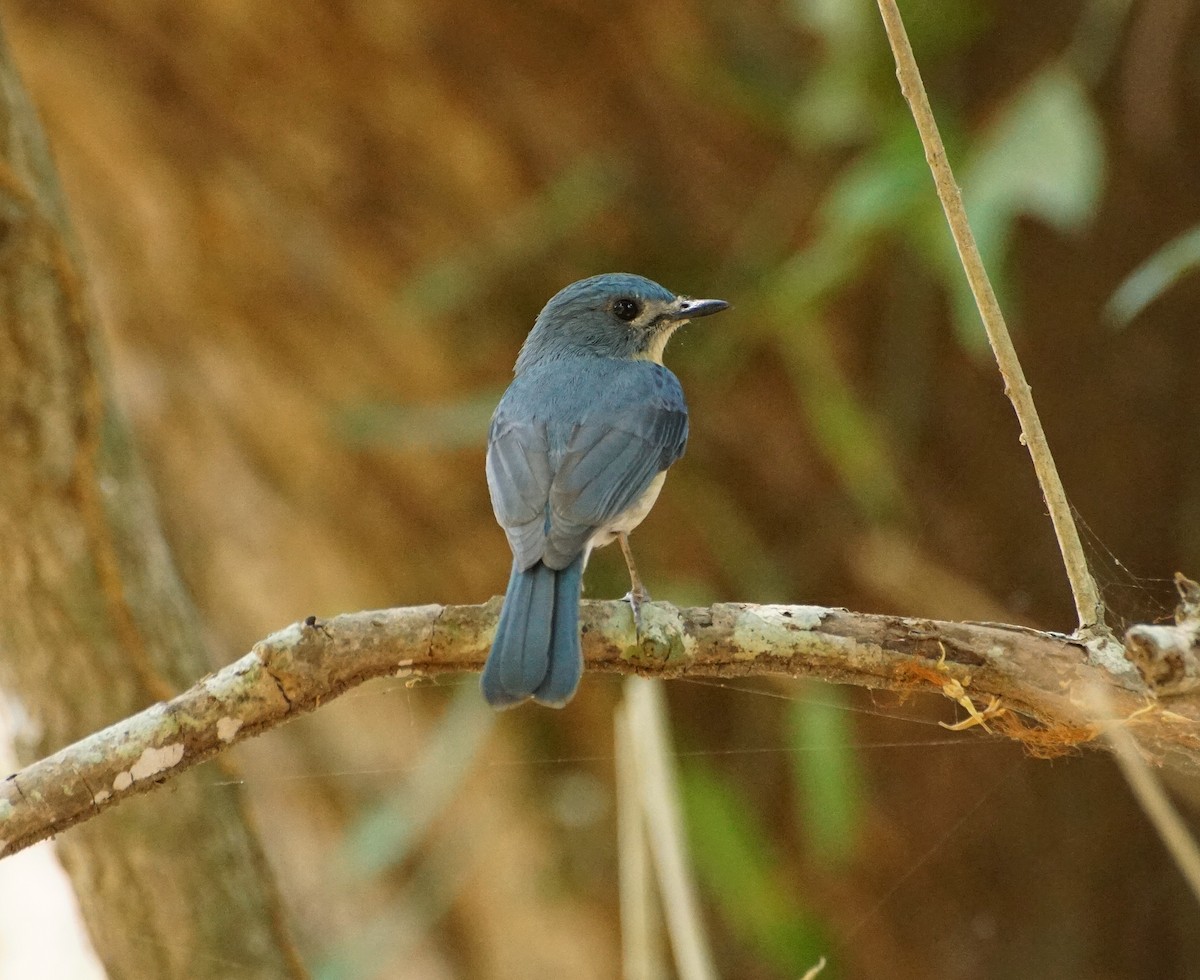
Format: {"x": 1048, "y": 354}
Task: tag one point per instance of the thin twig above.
{"x": 1088, "y": 604}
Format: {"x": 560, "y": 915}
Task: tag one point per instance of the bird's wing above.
{"x": 519, "y": 478}
{"x": 611, "y": 458}
{"x": 554, "y": 485}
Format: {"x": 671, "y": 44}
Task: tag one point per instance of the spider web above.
{"x": 1129, "y": 598}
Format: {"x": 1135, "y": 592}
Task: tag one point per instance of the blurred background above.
{"x": 316, "y": 235}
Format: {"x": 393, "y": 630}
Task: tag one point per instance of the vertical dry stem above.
{"x": 647, "y": 713}
{"x": 1088, "y": 604}
{"x": 641, "y": 952}
{"x": 1148, "y": 790}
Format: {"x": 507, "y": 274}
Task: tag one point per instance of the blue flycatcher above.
{"x": 577, "y": 454}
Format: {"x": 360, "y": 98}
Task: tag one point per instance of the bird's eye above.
{"x": 626, "y": 309}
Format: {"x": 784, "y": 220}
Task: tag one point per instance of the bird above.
{"x": 578, "y": 450}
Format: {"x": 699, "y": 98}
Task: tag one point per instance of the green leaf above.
{"x": 805, "y": 282}
{"x": 842, "y": 26}
{"x": 1154, "y": 277}
{"x": 835, "y": 105}
{"x": 878, "y": 193}
{"x": 1042, "y": 157}
{"x": 881, "y": 189}
{"x": 828, "y": 775}
{"x": 848, "y": 435}
{"x": 740, "y": 869}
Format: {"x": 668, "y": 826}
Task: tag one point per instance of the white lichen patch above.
{"x": 101, "y": 797}
{"x": 6, "y": 809}
{"x": 153, "y": 761}
{"x": 764, "y": 630}
{"x": 794, "y": 617}
{"x": 1106, "y": 652}
{"x": 228, "y": 727}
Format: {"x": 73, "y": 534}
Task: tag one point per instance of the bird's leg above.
{"x": 637, "y": 592}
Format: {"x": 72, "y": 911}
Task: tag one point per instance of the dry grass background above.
{"x": 292, "y": 212}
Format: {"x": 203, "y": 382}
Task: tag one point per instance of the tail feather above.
{"x": 566, "y": 656}
{"x": 528, "y": 641}
{"x": 536, "y": 650}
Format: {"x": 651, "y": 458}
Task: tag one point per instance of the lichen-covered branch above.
{"x": 1029, "y": 685}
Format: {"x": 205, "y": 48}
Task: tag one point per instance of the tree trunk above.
{"x": 94, "y": 624}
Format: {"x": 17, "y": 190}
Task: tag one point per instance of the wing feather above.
{"x": 554, "y": 485}
{"x": 519, "y": 478}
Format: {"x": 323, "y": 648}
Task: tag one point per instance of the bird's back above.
{"x": 576, "y": 441}
{"x": 568, "y": 390}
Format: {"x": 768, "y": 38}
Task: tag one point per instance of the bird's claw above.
{"x": 636, "y": 598}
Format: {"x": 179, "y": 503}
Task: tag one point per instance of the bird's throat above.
{"x": 653, "y": 351}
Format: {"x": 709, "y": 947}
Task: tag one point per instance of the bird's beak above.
{"x": 689, "y": 309}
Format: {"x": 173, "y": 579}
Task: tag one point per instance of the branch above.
{"x": 1088, "y": 604}
{"x": 1035, "y": 685}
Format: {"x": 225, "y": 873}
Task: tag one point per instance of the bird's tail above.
{"x": 536, "y": 651}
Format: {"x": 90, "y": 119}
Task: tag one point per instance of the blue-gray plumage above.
{"x": 578, "y": 451}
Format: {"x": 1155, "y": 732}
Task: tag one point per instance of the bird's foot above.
{"x": 636, "y": 599}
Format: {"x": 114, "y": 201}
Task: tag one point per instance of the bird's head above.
{"x": 612, "y": 315}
